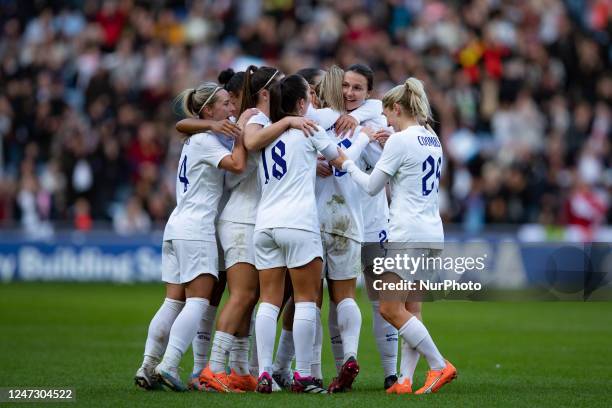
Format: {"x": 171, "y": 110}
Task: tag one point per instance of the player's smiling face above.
{"x": 223, "y": 107}
{"x": 355, "y": 90}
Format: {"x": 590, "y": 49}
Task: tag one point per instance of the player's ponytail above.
{"x": 415, "y": 100}
{"x": 329, "y": 90}
{"x": 255, "y": 81}
{"x": 191, "y": 101}
{"x": 412, "y": 98}
{"x": 247, "y": 96}
{"x": 285, "y": 95}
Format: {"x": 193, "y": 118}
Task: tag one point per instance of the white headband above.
{"x": 269, "y": 80}
{"x": 209, "y": 98}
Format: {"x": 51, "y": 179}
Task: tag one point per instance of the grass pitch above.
{"x": 91, "y": 337}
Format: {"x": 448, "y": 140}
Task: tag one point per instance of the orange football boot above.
{"x": 218, "y": 382}
{"x": 242, "y": 382}
{"x": 437, "y": 378}
{"x": 404, "y": 387}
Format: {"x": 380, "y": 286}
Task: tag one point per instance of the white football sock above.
{"x": 316, "y": 349}
{"x": 239, "y": 356}
{"x": 304, "y": 331}
{"x": 335, "y": 337}
{"x": 408, "y": 362}
{"x": 183, "y": 330}
{"x": 253, "y": 361}
{"x": 386, "y": 340}
{"x": 159, "y": 330}
{"x": 285, "y": 351}
{"x": 222, "y": 345}
{"x": 201, "y": 342}
{"x": 416, "y": 335}
{"x": 349, "y": 322}
{"x": 265, "y": 329}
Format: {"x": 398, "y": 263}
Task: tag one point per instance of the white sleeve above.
{"x": 370, "y": 183}
{"x": 393, "y": 155}
{"x": 370, "y": 109}
{"x": 359, "y": 143}
{"x": 210, "y": 150}
{"x": 325, "y": 117}
{"x": 324, "y": 144}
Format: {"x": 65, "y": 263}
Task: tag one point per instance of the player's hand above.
{"x": 345, "y": 125}
{"x": 370, "y": 132}
{"x": 381, "y": 136}
{"x": 246, "y": 115}
{"x": 338, "y": 161}
{"x": 309, "y": 127}
{"x": 323, "y": 167}
{"x": 227, "y": 128}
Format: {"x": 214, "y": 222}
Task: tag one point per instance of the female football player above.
{"x": 357, "y": 86}
{"x": 189, "y": 252}
{"x": 326, "y": 108}
{"x": 239, "y": 377}
{"x": 287, "y": 234}
{"x": 411, "y": 161}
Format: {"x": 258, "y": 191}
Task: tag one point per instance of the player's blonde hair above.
{"x": 329, "y": 90}
{"x": 191, "y": 101}
{"x": 412, "y": 98}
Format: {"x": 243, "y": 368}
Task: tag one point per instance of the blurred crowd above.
{"x": 521, "y": 93}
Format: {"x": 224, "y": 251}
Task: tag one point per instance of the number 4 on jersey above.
{"x": 182, "y": 176}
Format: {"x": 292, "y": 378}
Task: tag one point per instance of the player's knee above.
{"x": 245, "y": 299}
{"x": 389, "y": 312}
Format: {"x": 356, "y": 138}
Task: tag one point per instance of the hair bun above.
{"x": 225, "y": 76}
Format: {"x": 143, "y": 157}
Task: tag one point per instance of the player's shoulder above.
{"x": 200, "y": 139}
{"x": 259, "y": 118}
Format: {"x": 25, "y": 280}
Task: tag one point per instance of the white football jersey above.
{"x": 375, "y": 209}
{"x": 245, "y": 190}
{"x": 287, "y": 174}
{"x": 413, "y": 159}
{"x": 339, "y": 198}
{"x": 199, "y": 187}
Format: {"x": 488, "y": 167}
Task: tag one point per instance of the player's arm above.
{"x": 325, "y": 117}
{"x": 257, "y": 137}
{"x": 370, "y": 183}
{"x": 236, "y": 161}
{"x": 370, "y": 109}
{"x": 386, "y": 167}
{"x": 347, "y": 123}
{"x": 325, "y": 144}
{"x": 192, "y": 126}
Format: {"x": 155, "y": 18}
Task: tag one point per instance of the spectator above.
{"x": 521, "y": 92}
{"x": 132, "y": 219}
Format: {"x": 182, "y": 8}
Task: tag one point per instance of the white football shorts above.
{"x": 237, "y": 242}
{"x": 341, "y": 257}
{"x": 290, "y": 247}
{"x": 184, "y": 260}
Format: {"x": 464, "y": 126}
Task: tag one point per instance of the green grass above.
{"x": 91, "y": 337}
